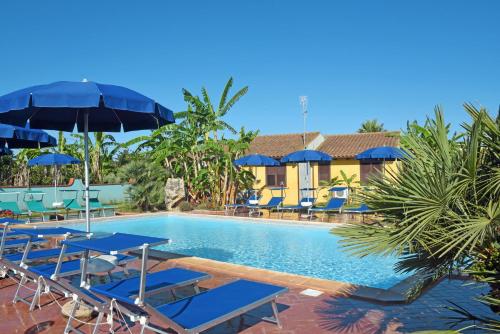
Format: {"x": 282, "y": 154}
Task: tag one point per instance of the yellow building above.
{"x": 343, "y": 149}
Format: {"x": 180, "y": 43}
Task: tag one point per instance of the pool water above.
{"x": 303, "y": 250}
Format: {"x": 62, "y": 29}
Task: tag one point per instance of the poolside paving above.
{"x": 327, "y": 313}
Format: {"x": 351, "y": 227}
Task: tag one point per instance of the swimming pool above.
{"x": 303, "y": 250}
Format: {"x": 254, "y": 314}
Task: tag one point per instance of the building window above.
{"x": 276, "y": 176}
{"x": 324, "y": 172}
{"x": 370, "y": 169}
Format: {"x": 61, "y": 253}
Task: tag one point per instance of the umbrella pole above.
{"x": 86, "y": 166}
{"x": 55, "y": 183}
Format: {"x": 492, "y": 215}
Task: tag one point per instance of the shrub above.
{"x": 185, "y": 206}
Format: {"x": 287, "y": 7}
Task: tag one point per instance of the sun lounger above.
{"x": 46, "y": 271}
{"x": 72, "y": 205}
{"x": 304, "y": 204}
{"x": 362, "y": 210}
{"x": 133, "y": 289}
{"x": 207, "y": 309}
{"x": 96, "y": 205}
{"x": 127, "y": 289}
{"x": 40, "y": 254}
{"x": 14, "y": 208}
{"x": 273, "y": 203}
{"x": 37, "y": 206}
{"x": 234, "y": 207}
{"x": 333, "y": 205}
{"x": 188, "y": 315}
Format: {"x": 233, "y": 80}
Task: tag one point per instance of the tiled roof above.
{"x": 338, "y": 146}
{"x": 347, "y": 146}
{"x": 277, "y": 146}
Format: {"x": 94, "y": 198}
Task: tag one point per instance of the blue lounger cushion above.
{"x": 116, "y": 243}
{"x": 210, "y": 306}
{"x": 126, "y": 289}
{"x": 70, "y": 267}
{"x": 12, "y": 234}
{"x": 22, "y": 242}
{"x": 42, "y": 254}
{"x": 47, "y": 270}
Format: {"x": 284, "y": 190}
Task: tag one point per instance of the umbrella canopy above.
{"x": 90, "y": 106}
{"x": 382, "y": 152}
{"x": 306, "y": 156}
{"x": 53, "y": 159}
{"x": 256, "y": 160}
{"x": 61, "y": 105}
{"x": 5, "y": 151}
{"x": 19, "y": 137}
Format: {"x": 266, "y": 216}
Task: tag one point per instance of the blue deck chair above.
{"x": 205, "y": 310}
{"x": 362, "y": 210}
{"x": 37, "y": 234}
{"x": 304, "y": 204}
{"x": 14, "y": 208}
{"x": 130, "y": 288}
{"x": 189, "y": 315}
{"x": 273, "y": 203}
{"x": 334, "y": 205}
{"x": 234, "y": 207}
{"x": 46, "y": 271}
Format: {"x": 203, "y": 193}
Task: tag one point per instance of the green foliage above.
{"x": 147, "y": 184}
{"x": 195, "y": 151}
{"x": 441, "y": 209}
{"x": 371, "y": 125}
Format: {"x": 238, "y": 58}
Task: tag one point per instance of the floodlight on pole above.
{"x": 303, "y": 104}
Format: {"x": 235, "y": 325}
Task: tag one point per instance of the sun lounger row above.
{"x": 130, "y": 295}
{"x": 306, "y": 205}
{"x": 69, "y": 206}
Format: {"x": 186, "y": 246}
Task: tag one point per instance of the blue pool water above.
{"x": 303, "y": 250}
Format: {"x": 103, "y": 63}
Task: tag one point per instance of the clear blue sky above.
{"x": 355, "y": 60}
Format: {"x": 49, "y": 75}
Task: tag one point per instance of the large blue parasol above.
{"x": 20, "y": 137}
{"x": 90, "y": 106}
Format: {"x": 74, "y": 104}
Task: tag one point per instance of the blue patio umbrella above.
{"x": 89, "y": 106}
{"x": 53, "y": 159}
{"x": 382, "y": 153}
{"x": 21, "y": 137}
{"x": 306, "y": 156}
{"x": 256, "y": 160}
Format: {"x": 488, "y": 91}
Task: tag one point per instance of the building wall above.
{"x": 349, "y": 166}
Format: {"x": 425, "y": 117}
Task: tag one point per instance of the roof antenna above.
{"x": 303, "y": 103}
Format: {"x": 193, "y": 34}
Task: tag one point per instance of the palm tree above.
{"x": 195, "y": 151}
{"x": 213, "y": 116}
{"x": 371, "y": 125}
{"x": 101, "y": 150}
{"x": 442, "y": 207}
